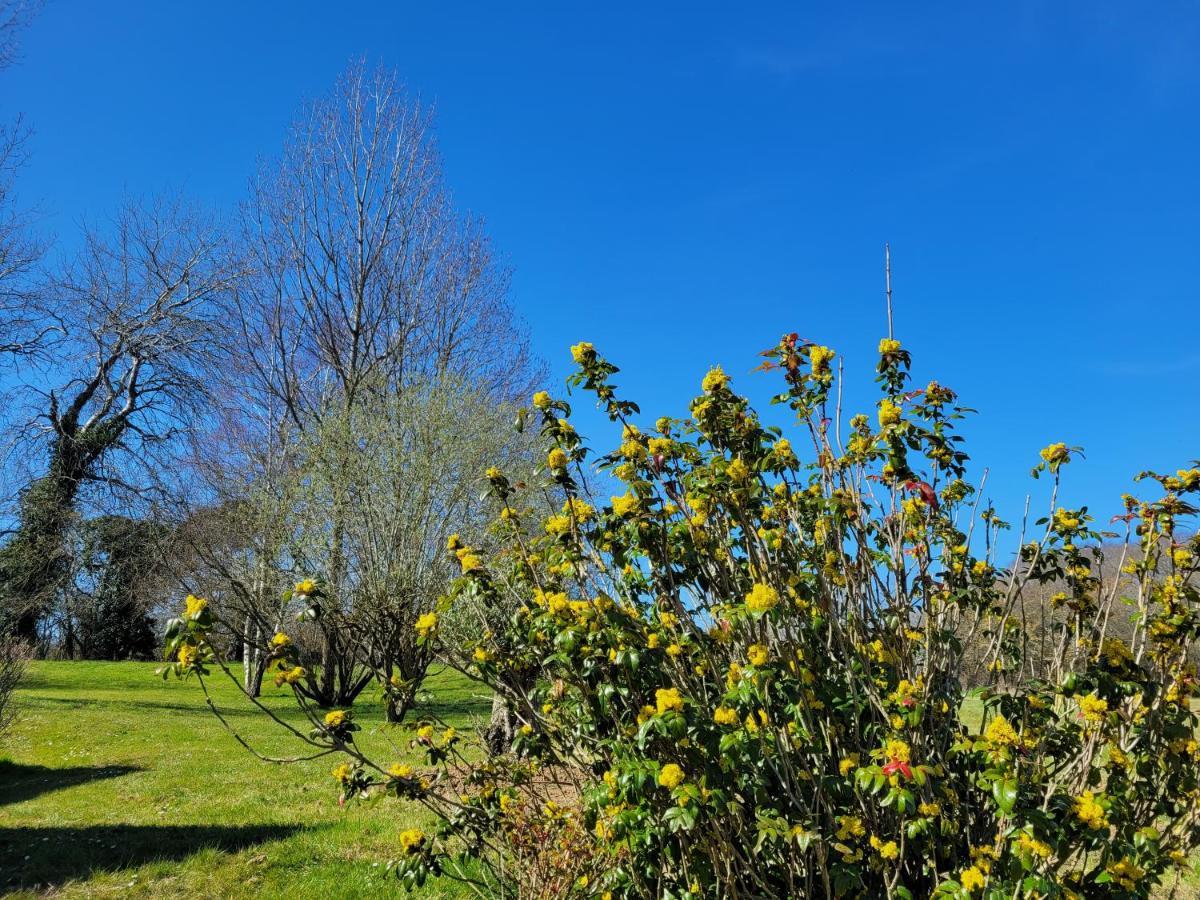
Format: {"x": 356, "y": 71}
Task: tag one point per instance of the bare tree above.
{"x": 138, "y": 325}
{"x": 366, "y": 282}
{"x": 14, "y": 16}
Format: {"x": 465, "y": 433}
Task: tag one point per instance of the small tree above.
{"x": 366, "y": 284}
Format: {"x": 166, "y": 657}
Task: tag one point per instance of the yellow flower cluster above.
{"x": 820, "y": 357}
{"x": 1000, "y": 732}
{"x": 1028, "y": 844}
{"x": 762, "y": 598}
{"x": 723, "y": 715}
{"x": 972, "y": 879}
{"x": 335, "y": 718}
{"x": 1090, "y": 812}
{"x": 1056, "y": 454}
{"x": 888, "y": 346}
{"x": 541, "y": 400}
{"x": 758, "y": 654}
{"x": 886, "y": 849}
{"x": 1092, "y": 708}
{"x": 714, "y": 380}
{"x": 293, "y": 675}
{"x": 427, "y": 624}
{"x": 625, "y": 505}
{"x": 342, "y": 772}
{"x": 188, "y": 654}
{"x": 411, "y": 840}
{"x": 194, "y": 606}
{"x": 668, "y": 700}
{"x": 670, "y": 776}
{"x": 889, "y": 413}
{"x": 583, "y": 353}
{"x": 305, "y": 587}
{"x": 556, "y": 459}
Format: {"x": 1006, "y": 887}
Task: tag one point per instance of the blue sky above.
{"x": 681, "y": 183}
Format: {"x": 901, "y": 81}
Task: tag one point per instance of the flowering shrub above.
{"x": 744, "y": 674}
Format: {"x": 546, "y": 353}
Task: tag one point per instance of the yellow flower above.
{"x": 972, "y": 880}
{"x": 625, "y": 505}
{"x": 820, "y": 357}
{"x": 291, "y": 676}
{"x": 889, "y": 413}
{"x": 668, "y": 699}
{"x": 661, "y": 446}
{"x": 307, "y": 586}
{"x": 425, "y": 733}
{"x": 1092, "y": 707}
{"x": 888, "y": 346}
{"x": 999, "y": 731}
{"x": 652, "y": 640}
{"x": 1089, "y": 812}
{"x": 671, "y": 776}
{"x": 886, "y": 849}
{"x": 400, "y": 770}
{"x": 929, "y": 809}
{"x": 470, "y": 562}
{"x": 738, "y": 470}
{"x": 188, "y": 654}
{"x": 558, "y": 524}
{"x": 582, "y": 510}
{"x": 850, "y": 826}
{"x": 898, "y": 750}
{"x": 582, "y": 352}
{"x": 426, "y": 624}
{"x": 342, "y": 772}
{"x": 280, "y": 640}
{"x": 1126, "y": 873}
{"x": 481, "y": 655}
{"x": 411, "y": 840}
{"x": 714, "y": 380}
{"x": 556, "y": 459}
{"x": 762, "y": 598}
{"x": 758, "y": 655}
{"x": 633, "y": 449}
{"x": 541, "y": 400}
{"x": 454, "y": 542}
{"x": 492, "y": 473}
{"x": 1027, "y": 843}
{"x": 195, "y": 606}
{"x": 1056, "y": 455}
{"x": 674, "y": 650}
{"x": 848, "y": 764}
{"x": 723, "y": 715}
{"x": 335, "y": 718}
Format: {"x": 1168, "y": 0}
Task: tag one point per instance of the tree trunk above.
{"x": 253, "y": 662}
{"x": 500, "y": 731}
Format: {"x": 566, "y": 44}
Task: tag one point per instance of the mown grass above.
{"x": 114, "y": 783}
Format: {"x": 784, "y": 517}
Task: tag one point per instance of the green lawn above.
{"x": 114, "y": 783}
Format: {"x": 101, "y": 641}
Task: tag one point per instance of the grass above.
{"x": 117, "y": 784}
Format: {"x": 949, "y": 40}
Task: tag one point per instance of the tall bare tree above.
{"x": 366, "y": 281}
{"x": 138, "y": 323}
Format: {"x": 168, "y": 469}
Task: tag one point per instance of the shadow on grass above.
{"x": 46, "y": 857}
{"x": 19, "y": 783}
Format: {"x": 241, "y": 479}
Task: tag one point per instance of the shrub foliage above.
{"x": 745, "y": 673}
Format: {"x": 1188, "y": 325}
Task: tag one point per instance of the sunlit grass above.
{"x": 114, "y": 783}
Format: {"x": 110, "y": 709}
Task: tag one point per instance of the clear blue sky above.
{"x": 681, "y": 183}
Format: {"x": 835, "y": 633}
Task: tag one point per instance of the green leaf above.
{"x": 1004, "y": 790}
